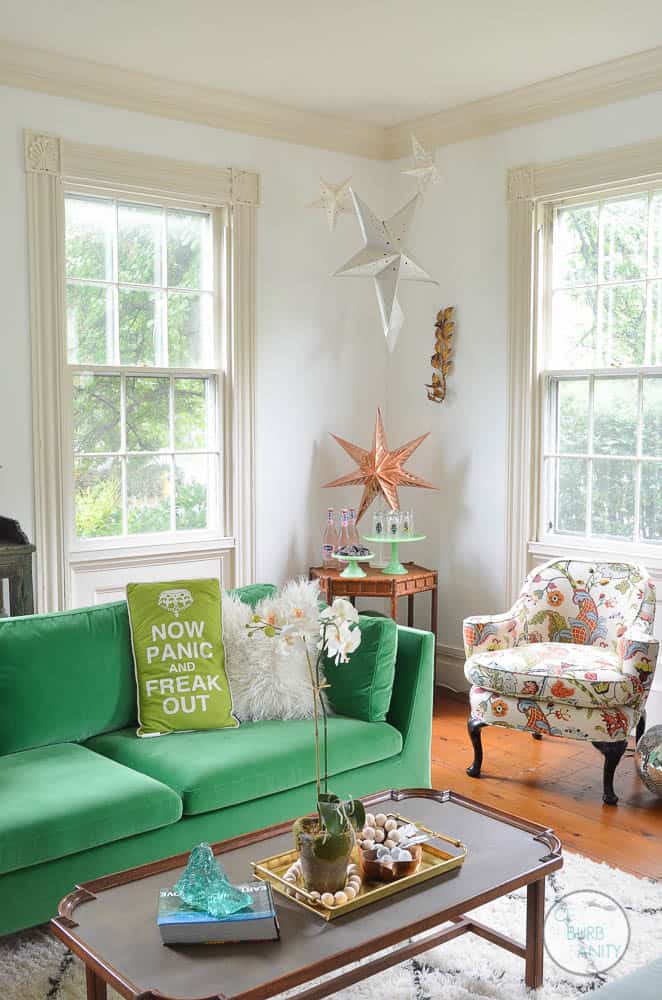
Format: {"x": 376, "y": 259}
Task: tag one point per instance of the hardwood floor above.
{"x": 555, "y": 782}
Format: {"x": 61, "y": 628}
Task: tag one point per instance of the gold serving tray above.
{"x": 435, "y": 861}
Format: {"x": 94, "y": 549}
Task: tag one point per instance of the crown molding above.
{"x": 616, "y": 80}
{"x": 97, "y": 83}
{"x": 84, "y": 80}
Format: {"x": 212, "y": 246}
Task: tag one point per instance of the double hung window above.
{"x": 601, "y": 370}
{"x": 144, "y": 350}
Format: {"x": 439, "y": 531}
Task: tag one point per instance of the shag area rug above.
{"x": 34, "y": 966}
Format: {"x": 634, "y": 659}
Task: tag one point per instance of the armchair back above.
{"x": 587, "y": 603}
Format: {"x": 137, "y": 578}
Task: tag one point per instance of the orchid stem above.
{"x": 311, "y": 674}
{"x": 324, "y": 715}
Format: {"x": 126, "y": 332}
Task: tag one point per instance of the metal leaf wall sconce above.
{"x": 442, "y": 359}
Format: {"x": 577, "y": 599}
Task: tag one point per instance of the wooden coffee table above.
{"x": 110, "y": 923}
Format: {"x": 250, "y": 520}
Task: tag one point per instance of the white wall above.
{"x": 460, "y": 236}
{"x": 320, "y": 360}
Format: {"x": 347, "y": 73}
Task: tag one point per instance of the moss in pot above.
{"x": 325, "y": 842}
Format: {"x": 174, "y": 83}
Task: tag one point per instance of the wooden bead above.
{"x": 368, "y": 832}
{"x": 391, "y": 824}
{"x": 353, "y": 869}
{"x": 327, "y": 898}
{"x": 340, "y": 898}
{"x": 369, "y": 819}
{"x": 379, "y": 836}
{"x": 380, "y": 819}
{"x": 351, "y": 892}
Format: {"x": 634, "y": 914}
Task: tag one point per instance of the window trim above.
{"x": 53, "y": 164}
{"x": 530, "y": 188}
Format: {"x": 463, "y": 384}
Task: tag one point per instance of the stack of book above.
{"x": 180, "y": 923}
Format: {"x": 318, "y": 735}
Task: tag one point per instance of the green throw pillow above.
{"x": 179, "y": 657}
{"x": 362, "y": 688}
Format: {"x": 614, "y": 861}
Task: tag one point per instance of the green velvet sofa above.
{"x": 82, "y": 796}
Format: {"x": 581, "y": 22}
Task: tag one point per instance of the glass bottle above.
{"x": 329, "y": 540}
{"x": 352, "y": 529}
{"x": 342, "y": 538}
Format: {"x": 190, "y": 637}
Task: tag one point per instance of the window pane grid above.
{"x": 141, "y": 350}
{"x": 571, "y": 475}
{"x": 606, "y": 283}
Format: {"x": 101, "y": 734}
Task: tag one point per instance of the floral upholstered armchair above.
{"x": 574, "y": 657}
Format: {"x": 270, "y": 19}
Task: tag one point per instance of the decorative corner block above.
{"x": 521, "y": 184}
{"x": 245, "y": 187}
{"x": 42, "y": 153}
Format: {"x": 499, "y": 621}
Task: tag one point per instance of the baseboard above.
{"x": 449, "y": 668}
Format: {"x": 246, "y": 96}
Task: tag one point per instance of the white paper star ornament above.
{"x": 425, "y": 169}
{"x": 335, "y": 199}
{"x": 385, "y": 259}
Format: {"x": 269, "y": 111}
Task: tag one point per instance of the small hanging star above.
{"x": 335, "y": 200}
{"x": 380, "y": 470}
{"x": 425, "y": 169}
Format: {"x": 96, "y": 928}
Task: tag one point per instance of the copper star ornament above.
{"x": 380, "y": 470}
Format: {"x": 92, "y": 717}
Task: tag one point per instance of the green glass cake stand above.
{"x": 394, "y": 566}
{"x": 352, "y": 569}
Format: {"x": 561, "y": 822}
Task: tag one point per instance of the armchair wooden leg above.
{"x": 641, "y": 727}
{"x": 537, "y": 736}
{"x": 612, "y": 753}
{"x": 474, "y": 726}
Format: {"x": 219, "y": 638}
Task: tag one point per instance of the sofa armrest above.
{"x": 485, "y": 632}
{"x": 638, "y": 651}
{"x": 413, "y": 691}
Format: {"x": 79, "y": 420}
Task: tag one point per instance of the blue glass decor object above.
{"x": 205, "y": 886}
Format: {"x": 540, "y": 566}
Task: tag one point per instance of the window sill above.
{"x": 95, "y": 556}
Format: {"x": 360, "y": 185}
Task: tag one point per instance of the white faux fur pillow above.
{"x": 268, "y": 682}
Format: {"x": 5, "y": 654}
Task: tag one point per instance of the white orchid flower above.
{"x": 341, "y": 611}
{"x": 342, "y": 641}
{"x": 303, "y": 620}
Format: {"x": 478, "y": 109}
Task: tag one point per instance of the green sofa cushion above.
{"x": 363, "y": 687}
{"x": 68, "y": 675}
{"x": 217, "y": 769}
{"x": 65, "y": 676}
{"x": 63, "y": 799}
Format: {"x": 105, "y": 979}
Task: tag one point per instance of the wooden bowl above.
{"x": 388, "y": 871}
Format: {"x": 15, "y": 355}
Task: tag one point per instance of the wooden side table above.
{"x": 417, "y": 580}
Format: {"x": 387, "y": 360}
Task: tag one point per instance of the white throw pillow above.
{"x": 267, "y": 680}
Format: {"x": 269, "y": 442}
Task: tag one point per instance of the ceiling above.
{"x": 373, "y": 61}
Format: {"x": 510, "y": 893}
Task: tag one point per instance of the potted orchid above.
{"x": 324, "y": 840}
